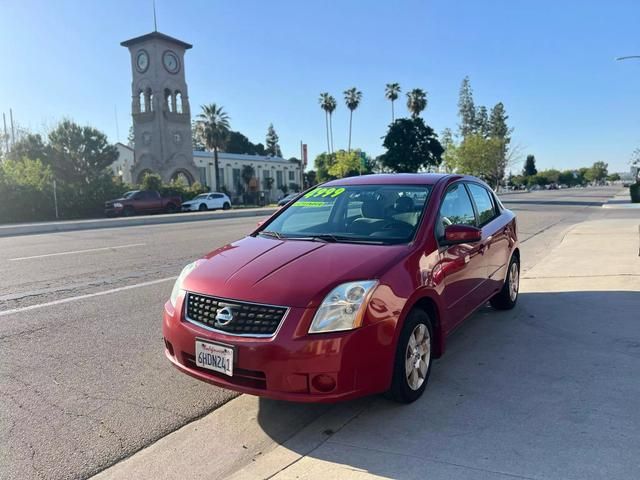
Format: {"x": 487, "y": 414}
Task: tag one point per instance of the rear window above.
{"x": 484, "y": 203}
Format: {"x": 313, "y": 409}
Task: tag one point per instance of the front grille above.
{"x": 249, "y": 319}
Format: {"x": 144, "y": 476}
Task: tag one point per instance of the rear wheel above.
{"x": 507, "y": 297}
{"x": 226, "y": 206}
{"x": 171, "y": 208}
{"x": 202, "y": 207}
{"x": 413, "y": 358}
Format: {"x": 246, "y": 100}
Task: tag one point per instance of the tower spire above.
{"x": 155, "y": 22}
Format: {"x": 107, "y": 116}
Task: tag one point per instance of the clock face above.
{"x": 142, "y": 61}
{"x": 170, "y": 61}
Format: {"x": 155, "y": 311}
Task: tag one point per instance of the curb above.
{"x": 68, "y": 226}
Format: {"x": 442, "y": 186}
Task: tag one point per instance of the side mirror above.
{"x": 455, "y": 234}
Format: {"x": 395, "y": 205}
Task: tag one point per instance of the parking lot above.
{"x": 545, "y": 391}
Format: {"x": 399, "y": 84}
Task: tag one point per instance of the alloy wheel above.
{"x": 418, "y": 356}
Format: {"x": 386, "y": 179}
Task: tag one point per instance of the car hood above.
{"x": 287, "y": 272}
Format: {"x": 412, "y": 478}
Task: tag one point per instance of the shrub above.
{"x": 634, "y": 190}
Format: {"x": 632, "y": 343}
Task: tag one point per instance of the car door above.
{"x": 463, "y": 265}
{"x": 143, "y": 201}
{"x": 215, "y": 201}
{"x": 495, "y": 231}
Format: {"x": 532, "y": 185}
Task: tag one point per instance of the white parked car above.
{"x": 207, "y": 201}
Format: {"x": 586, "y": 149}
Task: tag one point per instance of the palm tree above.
{"x": 391, "y": 93}
{"x": 213, "y": 131}
{"x": 416, "y": 101}
{"x": 330, "y": 108}
{"x": 352, "y": 98}
{"x": 325, "y": 104}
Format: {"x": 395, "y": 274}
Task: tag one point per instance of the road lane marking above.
{"x": 83, "y": 297}
{"x": 116, "y": 247}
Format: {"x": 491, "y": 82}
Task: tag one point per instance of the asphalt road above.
{"x": 83, "y": 379}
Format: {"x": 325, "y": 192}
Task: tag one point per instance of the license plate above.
{"x": 214, "y": 356}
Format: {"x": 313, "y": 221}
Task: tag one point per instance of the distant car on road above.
{"x": 350, "y": 290}
{"x": 284, "y": 200}
{"x": 207, "y": 201}
{"x": 142, "y": 201}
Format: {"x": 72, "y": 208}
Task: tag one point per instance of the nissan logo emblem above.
{"x": 224, "y": 316}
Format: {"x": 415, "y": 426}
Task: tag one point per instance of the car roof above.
{"x": 393, "y": 179}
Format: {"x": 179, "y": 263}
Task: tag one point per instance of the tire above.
{"x": 507, "y": 298}
{"x": 402, "y": 391}
{"x": 202, "y": 207}
{"x": 226, "y": 206}
{"x": 171, "y": 208}
{"x": 128, "y": 211}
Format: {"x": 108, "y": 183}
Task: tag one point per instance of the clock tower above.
{"x": 160, "y": 108}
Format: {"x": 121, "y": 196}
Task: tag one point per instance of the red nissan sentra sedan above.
{"x": 350, "y": 290}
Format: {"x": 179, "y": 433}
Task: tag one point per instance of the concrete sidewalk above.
{"x": 96, "y": 223}
{"x": 546, "y": 391}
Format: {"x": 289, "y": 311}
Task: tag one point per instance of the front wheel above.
{"x": 202, "y": 207}
{"x": 413, "y": 358}
{"x": 506, "y": 298}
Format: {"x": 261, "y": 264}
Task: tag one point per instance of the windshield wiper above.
{"x": 331, "y": 238}
{"x": 271, "y": 233}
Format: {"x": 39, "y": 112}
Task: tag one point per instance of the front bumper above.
{"x": 113, "y": 211}
{"x": 288, "y": 365}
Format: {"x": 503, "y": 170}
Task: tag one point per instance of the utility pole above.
{"x": 6, "y": 135}
{"x": 55, "y": 198}
{"x": 13, "y": 131}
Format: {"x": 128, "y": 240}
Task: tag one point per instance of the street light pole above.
{"x": 632, "y": 57}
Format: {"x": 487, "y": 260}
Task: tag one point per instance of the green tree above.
{"x": 411, "y": 145}
{"x": 238, "y": 143}
{"x": 352, "y": 99}
{"x": 349, "y": 164}
{"x": 529, "y": 166}
{"x": 482, "y": 122}
{"x": 196, "y": 140}
{"x": 213, "y": 131}
{"x": 416, "y": 102}
{"x": 598, "y": 172}
{"x": 479, "y": 156}
{"x": 79, "y": 155}
{"x": 466, "y": 109}
{"x": 152, "y": 182}
{"x": 614, "y": 177}
{"x": 323, "y": 164}
{"x": 30, "y": 146}
{"x": 391, "y": 92}
{"x": 310, "y": 179}
{"x": 449, "y": 145}
{"x": 324, "y": 101}
{"x": 273, "y": 149}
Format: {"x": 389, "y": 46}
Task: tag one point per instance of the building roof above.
{"x": 124, "y": 146}
{"x": 155, "y": 35}
{"x": 245, "y": 157}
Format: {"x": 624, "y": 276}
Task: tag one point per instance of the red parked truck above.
{"x": 140, "y": 202}
{"x": 349, "y": 290}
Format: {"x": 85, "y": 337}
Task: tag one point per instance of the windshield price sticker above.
{"x": 331, "y": 192}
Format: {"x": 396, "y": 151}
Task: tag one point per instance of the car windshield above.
{"x": 379, "y": 214}
{"x": 129, "y": 194}
{"x": 202, "y": 196}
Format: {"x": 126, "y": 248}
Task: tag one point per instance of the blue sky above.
{"x": 551, "y": 63}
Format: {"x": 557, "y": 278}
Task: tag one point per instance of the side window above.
{"x": 456, "y": 209}
{"x": 484, "y": 203}
{"x": 215, "y": 195}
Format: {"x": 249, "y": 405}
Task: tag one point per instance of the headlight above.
{"x": 117, "y": 205}
{"x": 178, "y": 285}
{"x": 343, "y": 308}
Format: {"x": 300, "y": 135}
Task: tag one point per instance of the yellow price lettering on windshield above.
{"x": 325, "y": 192}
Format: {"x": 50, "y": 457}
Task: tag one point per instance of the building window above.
{"x": 237, "y": 180}
{"x": 203, "y": 176}
{"x": 177, "y": 100}
{"x": 168, "y": 100}
{"x": 291, "y": 176}
{"x": 279, "y": 180}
